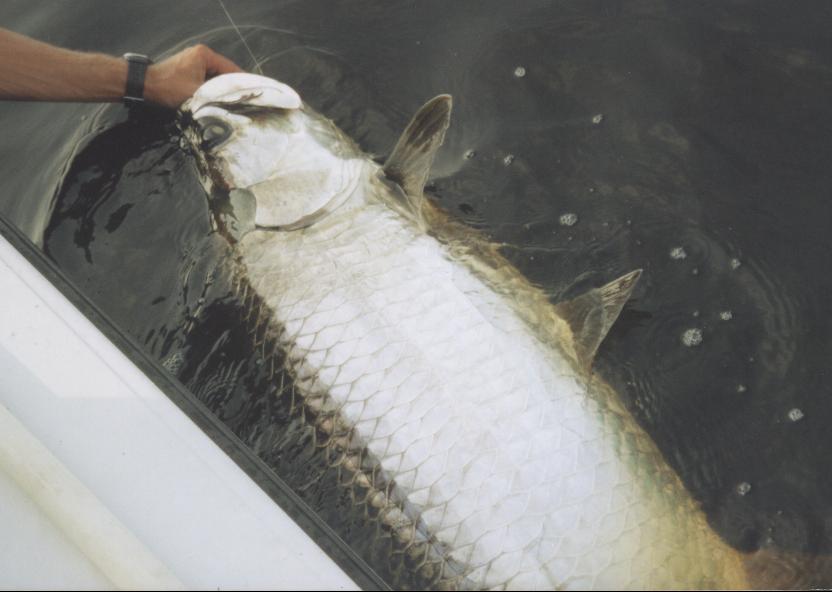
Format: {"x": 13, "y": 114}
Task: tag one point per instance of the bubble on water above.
{"x": 726, "y": 315}
{"x": 678, "y": 253}
{"x": 519, "y": 71}
{"x": 741, "y": 388}
{"x": 695, "y": 313}
{"x": 694, "y": 271}
{"x": 568, "y": 219}
{"x": 743, "y": 488}
{"x": 469, "y": 154}
{"x": 509, "y": 158}
{"x": 795, "y": 414}
{"x": 629, "y": 222}
{"x": 598, "y": 118}
{"x": 735, "y": 263}
{"x": 692, "y": 337}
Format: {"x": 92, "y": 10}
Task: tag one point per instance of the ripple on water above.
{"x": 692, "y": 352}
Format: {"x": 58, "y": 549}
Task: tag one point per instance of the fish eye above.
{"x": 213, "y": 132}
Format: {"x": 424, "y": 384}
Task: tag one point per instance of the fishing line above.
{"x": 243, "y": 39}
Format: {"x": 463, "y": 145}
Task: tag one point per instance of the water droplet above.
{"x": 741, "y": 388}
{"x": 509, "y": 158}
{"x": 726, "y": 315}
{"x": 629, "y": 222}
{"x": 692, "y": 337}
{"x": 568, "y": 219}
{"x": 519, "y": 71}
{"x": 695, "y": 313}
{"x": 795, "y": 414}
{"x": 596, "y": 119}
{"x": 743, "y": 488}
{"x": 470, "y": 154}
{"x": 694, "y": 271}
{"x": 735, "y": 263}
{"x": 678, "y": 253}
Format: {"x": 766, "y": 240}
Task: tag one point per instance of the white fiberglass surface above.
{"x": 142, "y": 466}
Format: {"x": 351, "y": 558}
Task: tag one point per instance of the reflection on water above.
{"x": 590, "y": 139}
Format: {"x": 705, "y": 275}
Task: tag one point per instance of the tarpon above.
{"x": 457, "y": 398}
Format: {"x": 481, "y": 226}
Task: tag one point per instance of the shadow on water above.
{"x": 644, "y": 136}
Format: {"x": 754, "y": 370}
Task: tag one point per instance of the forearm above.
{"x": 32, "y": 70}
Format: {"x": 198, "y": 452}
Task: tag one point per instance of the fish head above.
{"x": 265, "y": 158}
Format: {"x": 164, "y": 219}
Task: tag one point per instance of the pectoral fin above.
{"x": 237, "y": 214}
{"x": 409, "y": 164}
{"x": 591, "y": 315}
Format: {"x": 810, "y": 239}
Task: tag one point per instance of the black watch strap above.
{"x": 136, "y": 69}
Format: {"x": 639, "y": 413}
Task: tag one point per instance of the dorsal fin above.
{"x": 412, "y": 157}
{"x": 591, "y": 314}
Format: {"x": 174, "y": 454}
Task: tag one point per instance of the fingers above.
{"x": 216, "y": 64}
{"x": 176, "y": 78}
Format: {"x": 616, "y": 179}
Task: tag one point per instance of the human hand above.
{"x": 175, "y": 79}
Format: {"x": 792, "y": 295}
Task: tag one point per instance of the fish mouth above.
{"x": 244, "y": 89}
{"x": 250, "y": 95}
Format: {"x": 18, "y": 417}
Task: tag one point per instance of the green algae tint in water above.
{"x": 712, "y": 140}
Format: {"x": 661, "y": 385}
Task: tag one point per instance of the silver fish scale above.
{"x": 516, "y": 470}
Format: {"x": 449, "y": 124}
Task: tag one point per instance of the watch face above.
{"x": 137, "y": 57}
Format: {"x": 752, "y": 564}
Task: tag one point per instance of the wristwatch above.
{"x": 136, "y": 69}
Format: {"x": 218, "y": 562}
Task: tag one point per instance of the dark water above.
{"x": 688, "y": 139}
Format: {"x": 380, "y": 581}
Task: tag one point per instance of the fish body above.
{"x": 458, "y": 400}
